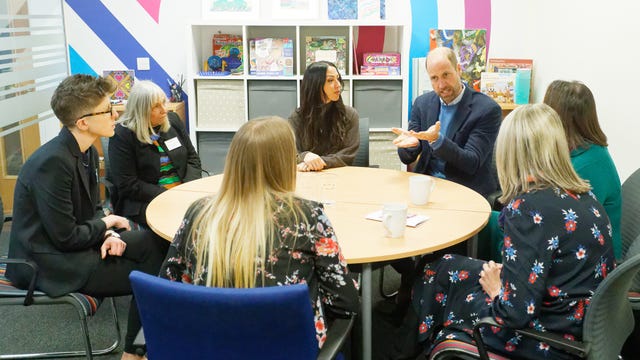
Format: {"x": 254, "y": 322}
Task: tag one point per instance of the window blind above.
{"x": 33, "y": 61}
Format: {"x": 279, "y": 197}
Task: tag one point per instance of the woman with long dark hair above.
{"x": 326, "y": 129}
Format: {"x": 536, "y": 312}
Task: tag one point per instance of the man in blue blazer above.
{"x": 452, "y": 129}
{"x": 451, "y": 133}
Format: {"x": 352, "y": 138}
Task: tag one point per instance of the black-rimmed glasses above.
{"x": 98, "y": 113}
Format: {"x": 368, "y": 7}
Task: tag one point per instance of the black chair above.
{"x": 630, "y": 219}
{"x": 111, "y": 192}
{"x": 85, "y": 306}
{"x": 362, "y": 156}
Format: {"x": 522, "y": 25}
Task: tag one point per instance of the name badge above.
{"x": 172, "y": 143}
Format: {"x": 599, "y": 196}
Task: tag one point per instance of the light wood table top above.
{"x": 456, "y": 212}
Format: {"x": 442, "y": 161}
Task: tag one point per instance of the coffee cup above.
{"x": 420, "y": 189}
{"x": 394, "y": 219}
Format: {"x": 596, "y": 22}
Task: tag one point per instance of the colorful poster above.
{"x": 230, "y": 9}
{"x": 471, "y": 48}
{"x": 342, "y": 9}
{"x": 295, "y": 9}
{"x": 124, "y": 82}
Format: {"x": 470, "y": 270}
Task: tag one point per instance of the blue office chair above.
{"x": 184, "y": 321}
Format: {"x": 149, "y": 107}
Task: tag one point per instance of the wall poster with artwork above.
{"x": 295, "y": 9}
{"x": 471, "y": 48}
{"x": 230, "y": 9}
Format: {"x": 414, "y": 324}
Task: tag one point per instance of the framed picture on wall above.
{"x": 230, "y": 9}
{"x": 295, "y": 9}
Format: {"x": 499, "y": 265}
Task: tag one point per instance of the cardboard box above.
{"x": 379, "y": 70}
{"x": 381, "y": 59}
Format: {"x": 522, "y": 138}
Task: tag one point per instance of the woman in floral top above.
{"x": 256, "y": 233}
{"x": 557, "y": 249}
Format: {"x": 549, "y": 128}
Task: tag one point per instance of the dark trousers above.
{"x": 145, "y": 252}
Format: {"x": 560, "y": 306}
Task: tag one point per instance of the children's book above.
{"x": 124, "y": 80}
{"x": 523, "y": 69}
{"x": 271, "y": 57}
{"x": 508, "y": 65}
{"x": 499, "y": 86}
{"x": 228, "y": 49}
{"x": 470, "y": 47}
{"x": 327, "y": 48}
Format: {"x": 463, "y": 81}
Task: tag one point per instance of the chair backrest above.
{"x": 362, "y": 156}
{"x": 609, "y": 319}
{"x": 630, "y": 219}
{"x": 183, "y": 321}
{"x": 104, "y": 141}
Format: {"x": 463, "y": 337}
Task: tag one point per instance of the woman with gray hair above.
{"x": 149, "y": 153}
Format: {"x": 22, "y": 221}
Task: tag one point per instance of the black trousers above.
{"x": 145, "y": 252}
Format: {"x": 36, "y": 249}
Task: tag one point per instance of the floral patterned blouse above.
{"x": 312, "y": 256}
{"x": 557, "y": 249}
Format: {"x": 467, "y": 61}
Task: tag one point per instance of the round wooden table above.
{"x": 456, "y": 213}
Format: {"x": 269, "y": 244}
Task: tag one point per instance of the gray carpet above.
{"x": 57, "y": 328}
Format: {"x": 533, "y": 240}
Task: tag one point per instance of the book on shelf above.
{"x": 522, "y": 68}
{"x": 271, "y": 57}
{"x": 124, "y": 80}
{"x": 508, "y": 65}
{"x": 500, "y": 86}
{"x": 227, "y": 54}
{"x": 327, "y": 48}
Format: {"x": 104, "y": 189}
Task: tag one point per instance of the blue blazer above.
{"x": 468, "y": 146}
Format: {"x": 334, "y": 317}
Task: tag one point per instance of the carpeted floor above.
{"x": 56, "y": 328}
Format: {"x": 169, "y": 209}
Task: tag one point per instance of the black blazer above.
{"x": 135, "y": 167}
{"x": 57, "y": 217}
{"x": 468, "y": 146}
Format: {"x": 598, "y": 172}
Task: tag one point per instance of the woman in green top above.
{"x": 574, "y": 102}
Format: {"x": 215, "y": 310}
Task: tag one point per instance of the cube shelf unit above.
{"x": 219, "y": 105}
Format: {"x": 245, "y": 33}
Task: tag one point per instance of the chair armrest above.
{"x": 28, "y": 299}
{"x": 493, "y": 200}
{"x": 571, "y": 346}
{"x": 336, "y": 336}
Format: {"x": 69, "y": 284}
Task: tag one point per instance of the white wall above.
{"x": 591, "y": 41}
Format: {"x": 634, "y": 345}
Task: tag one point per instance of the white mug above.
{"x": 394, "y": 219}
{"x": 420, "y": 189}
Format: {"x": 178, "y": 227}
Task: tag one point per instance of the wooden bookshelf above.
{"x": 507, "y": 108}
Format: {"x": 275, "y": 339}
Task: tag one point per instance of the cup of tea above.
{"x": 394, "y": 219}
{"x": 420, "y": 189}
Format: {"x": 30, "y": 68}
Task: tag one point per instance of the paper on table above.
{"x": 413, "y": 220}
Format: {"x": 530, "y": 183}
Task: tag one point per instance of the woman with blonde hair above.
{"x": 149, "y": 153}
{"x": 557, "y": 249}
{"x": 255, "y": 232}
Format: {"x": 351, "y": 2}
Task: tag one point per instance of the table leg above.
{"x": 472, "y": 246}
{"x": 366, "y": 311}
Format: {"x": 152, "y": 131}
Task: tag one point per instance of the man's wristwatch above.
{"x": 109, "y": 233}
